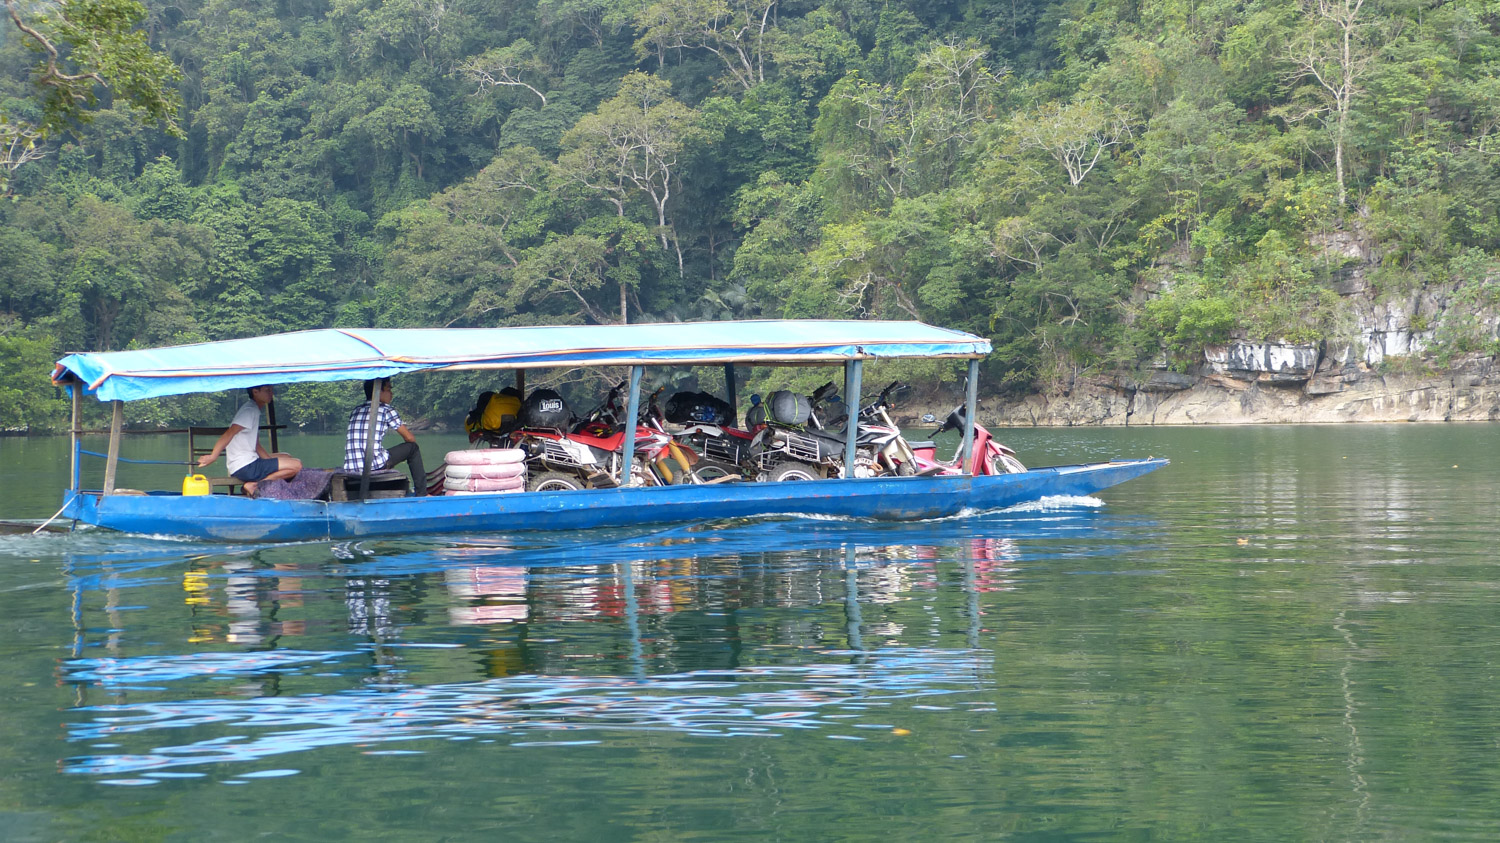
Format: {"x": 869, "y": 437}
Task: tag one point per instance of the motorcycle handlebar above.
{"x": 955, "y": 421}
{"x": 893, "y": 388}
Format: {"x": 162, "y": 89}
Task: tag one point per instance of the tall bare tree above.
{"x": 737, "y": 31}
{"x": 1335, "y": 50}
{"x": 1076, "y": 134}
{"x": 632, "y": 143}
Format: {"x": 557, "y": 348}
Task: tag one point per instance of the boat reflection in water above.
{"x": 756, "y": 628}
{"x": 486, "y": 594}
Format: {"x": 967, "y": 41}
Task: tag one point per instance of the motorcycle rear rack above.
{"x": 799, "y": 447}
{"x": 556, "y": 454}
{"x": 724, "y": 450}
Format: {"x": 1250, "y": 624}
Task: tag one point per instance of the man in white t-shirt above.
{"x": 244, "y": 456}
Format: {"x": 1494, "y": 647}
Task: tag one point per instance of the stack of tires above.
{"x": 484, "y": 471}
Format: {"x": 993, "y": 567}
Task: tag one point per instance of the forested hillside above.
{"x": 1091, "y": 183}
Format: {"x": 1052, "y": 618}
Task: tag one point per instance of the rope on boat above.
{"x": 138, "y": 462}
{"x": 53, "y": 518}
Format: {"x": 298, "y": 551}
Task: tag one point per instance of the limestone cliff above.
{"x": 1384, "y": 371}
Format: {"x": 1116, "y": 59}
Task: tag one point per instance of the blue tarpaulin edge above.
{"x": 361, "y": 354}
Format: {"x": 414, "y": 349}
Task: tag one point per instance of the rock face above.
{"x": 1252, "y": 380}
{"x": 1249, "y": 361}
{"x": 1225, "y": 400}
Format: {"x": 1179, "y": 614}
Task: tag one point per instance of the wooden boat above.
{"x": 334, "y": 355}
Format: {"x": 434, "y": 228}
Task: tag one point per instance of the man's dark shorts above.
{"x": 258, "y": 470}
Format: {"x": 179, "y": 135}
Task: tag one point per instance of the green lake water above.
{"x": 1290, "y": 633}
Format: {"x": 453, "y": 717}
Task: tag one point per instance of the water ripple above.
{"x": 762, "y": 701}
{"x": 148, "y": 669}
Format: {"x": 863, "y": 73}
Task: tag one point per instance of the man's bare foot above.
{"x": 250, "y": 489}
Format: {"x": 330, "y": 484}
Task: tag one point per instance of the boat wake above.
{"x": 1049, "y": 504}
{"x": 1057, "y": 503}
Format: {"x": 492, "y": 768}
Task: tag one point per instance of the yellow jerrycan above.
{"x": 195, "y": 484}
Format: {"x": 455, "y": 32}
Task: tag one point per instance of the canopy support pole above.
{"x": 370, "y": 420}
{"x": 112, "y": 462}
{"x": 853, "y": 374}
{"x": 731, "y": 392}
{"x": 521, "y": 383}
{"x": 632, "y": 411}
{"x": 271, "y": 415}
{"x": 73, "y": 431}
{"x": 971, "y": 406}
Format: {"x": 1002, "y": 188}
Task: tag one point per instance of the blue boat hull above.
{"x": 884, "y": 498}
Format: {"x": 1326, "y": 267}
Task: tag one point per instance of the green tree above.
{"x": 452, "y": 257}
{"x": 507, "y": 67}
{"x": 738, "y": 32}
{"x": 27, "y": 399}
{"x": 85, "y": 45}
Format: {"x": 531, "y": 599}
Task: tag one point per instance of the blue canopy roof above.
{"x": 359, "y": 354}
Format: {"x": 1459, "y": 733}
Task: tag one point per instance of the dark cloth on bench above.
{"x": 310, "y": 484}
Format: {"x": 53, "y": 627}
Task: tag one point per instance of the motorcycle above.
{"x": 721, "y": 451}
{"x": 988, "y": 455}
{"x": 883, "y": 437}
{"x": 794, "y": 444}
{"x": 587, "y": 455}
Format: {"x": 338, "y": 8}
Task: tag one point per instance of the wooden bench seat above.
{"x": 387, "y": 483}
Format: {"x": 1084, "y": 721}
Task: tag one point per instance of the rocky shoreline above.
{"x": 1259, "y": 383}
{"x": 1383, "y": 371}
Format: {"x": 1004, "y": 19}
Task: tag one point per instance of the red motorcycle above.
{"x": 988, "y": 456}
{"x": 587, "y": 456}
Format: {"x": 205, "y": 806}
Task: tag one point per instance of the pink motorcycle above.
{"x": 989, "y": 456}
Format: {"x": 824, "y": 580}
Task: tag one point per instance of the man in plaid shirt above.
{"x": 386, "y": 421}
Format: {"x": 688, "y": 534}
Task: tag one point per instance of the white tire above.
{"x": 485, "y": 456}
{"x": 487, "y": 472}
{"x": 484, "y": 484}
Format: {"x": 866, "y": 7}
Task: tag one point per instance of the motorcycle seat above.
{"x": 837, "y": 436}
{"x": 918, "y": 445}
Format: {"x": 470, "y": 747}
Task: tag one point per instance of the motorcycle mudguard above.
{"x": 611, "y": 442}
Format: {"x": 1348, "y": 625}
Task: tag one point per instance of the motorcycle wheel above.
{"x": 553, "y": 481}
{"x": 708, "y": 472}
{"x": 793, "y": 471}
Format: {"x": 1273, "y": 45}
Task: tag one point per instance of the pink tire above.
{"x": 486, "y": 456}
{"x": 484, "y": 484}
{"x": 488, "y": 472}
